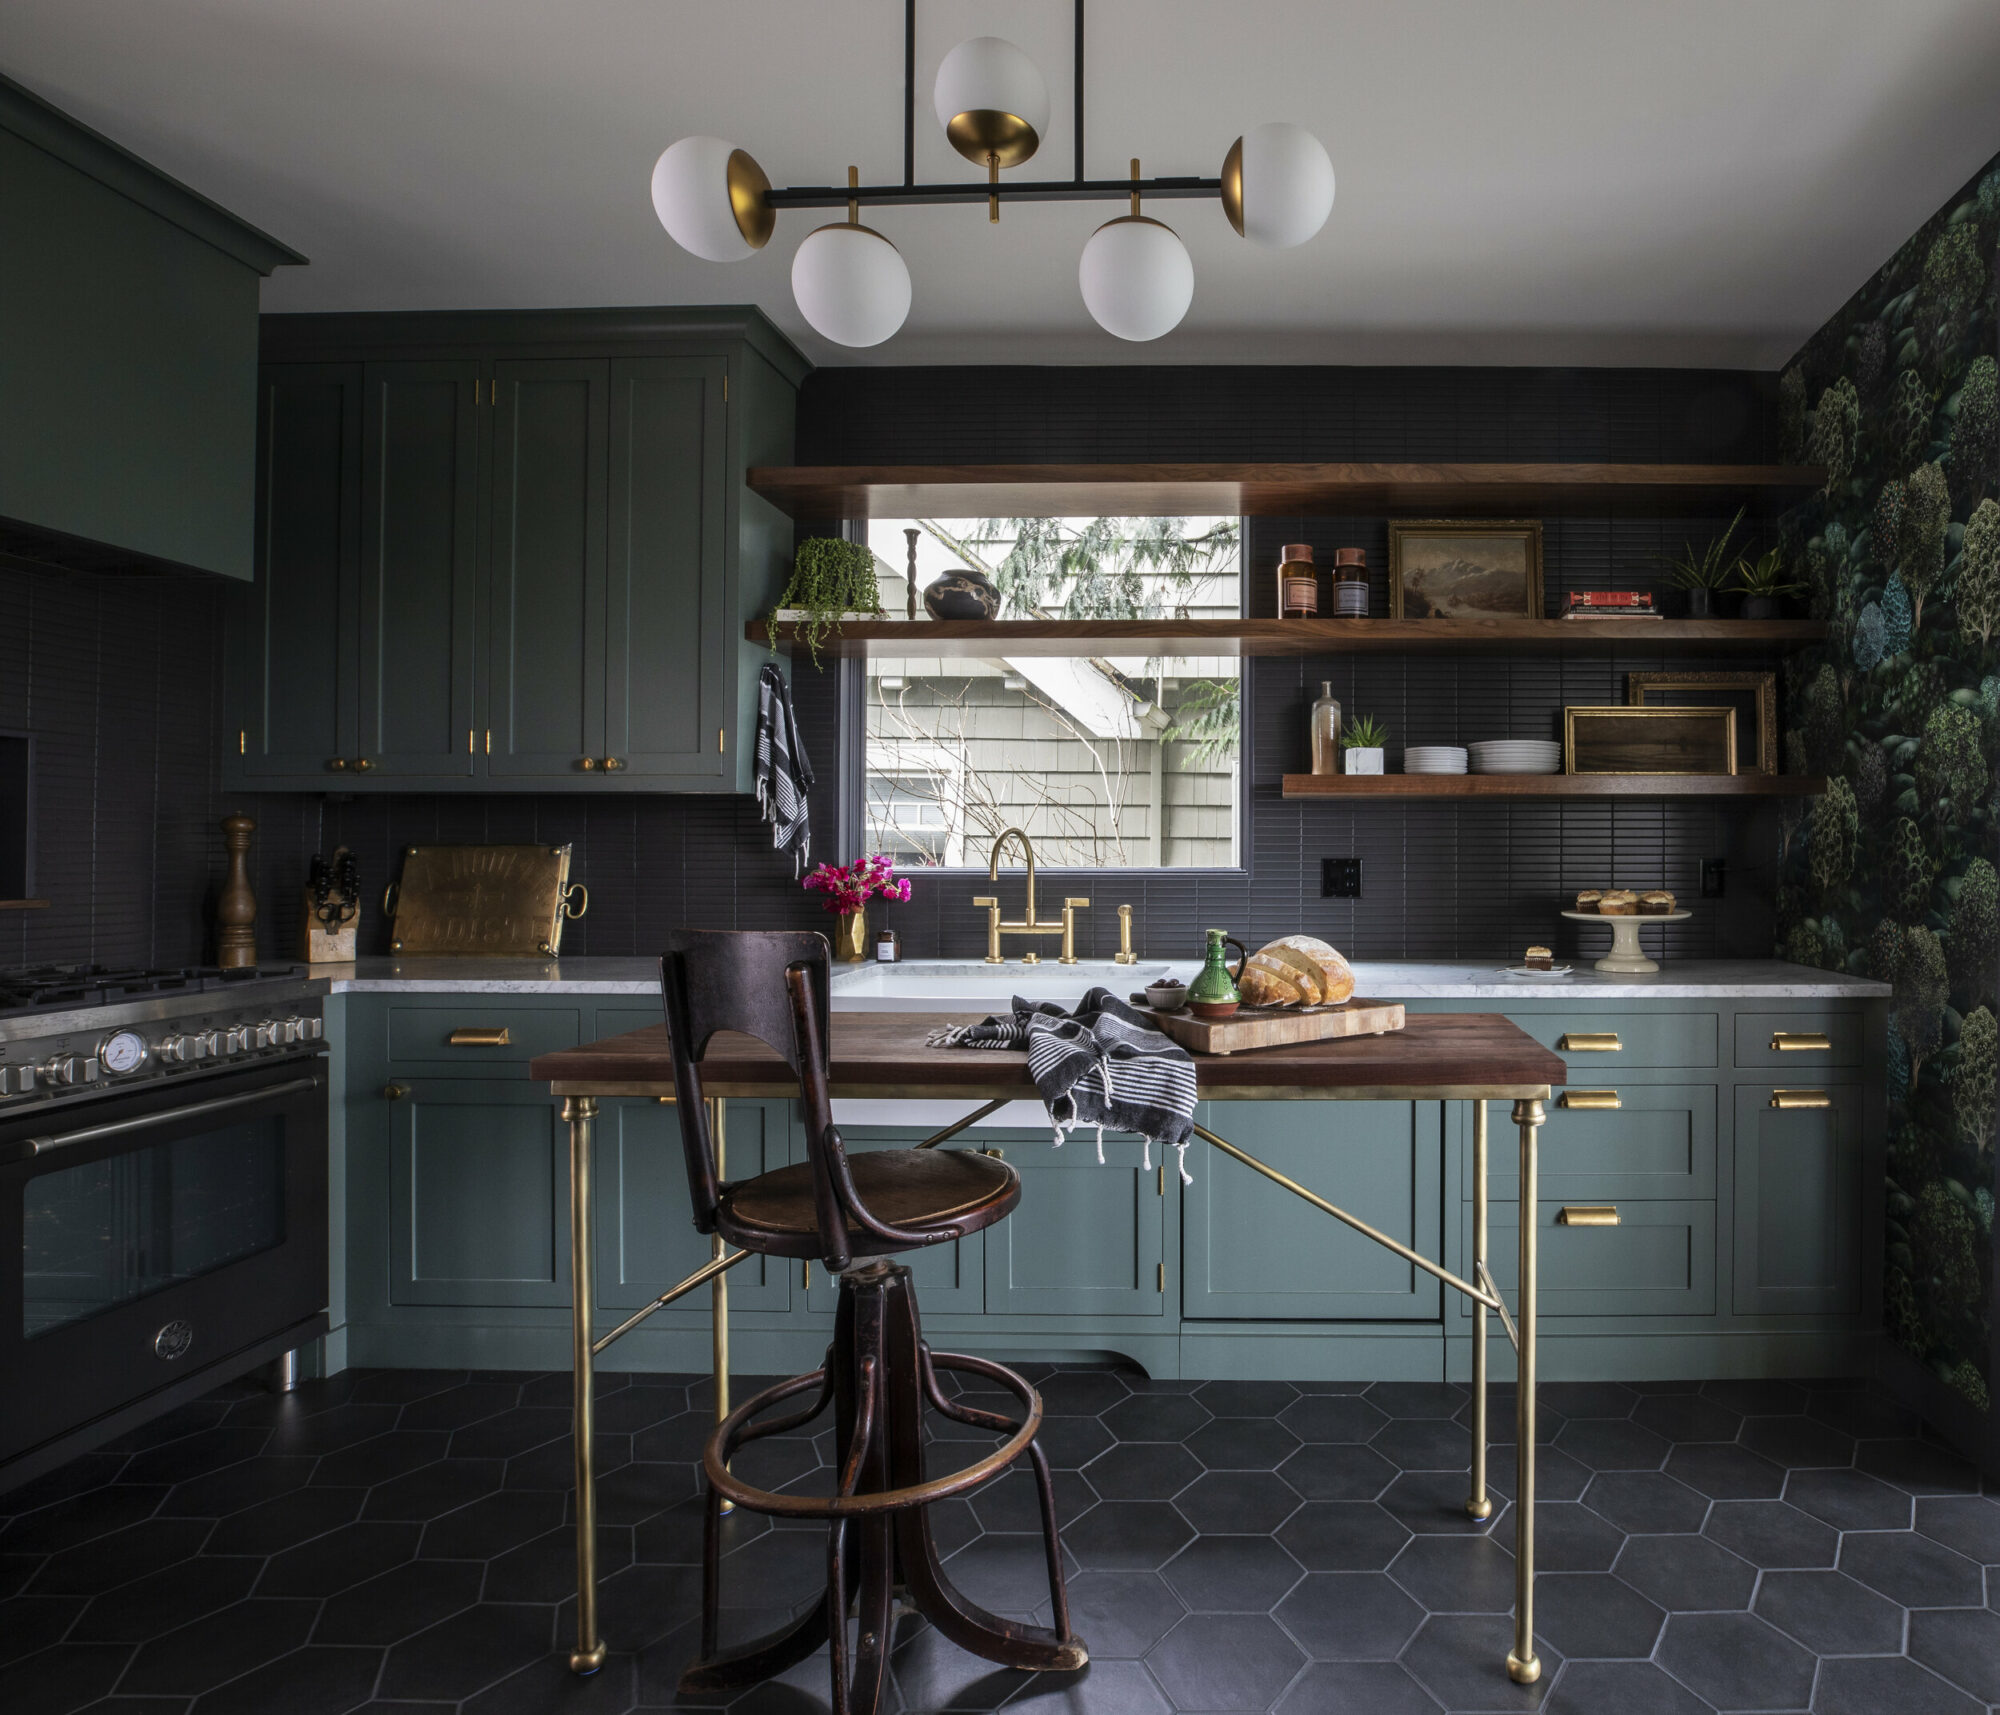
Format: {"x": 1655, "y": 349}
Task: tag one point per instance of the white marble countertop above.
{"x": 944, "y": 982}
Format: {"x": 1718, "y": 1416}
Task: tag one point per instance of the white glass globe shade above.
{"x": 990, "y": 96}
{"x": 710, "y": 198}
{"x": 1277, "y": 185}
{"x": 851, "y": 284}
{"x": 1136, "y": 277}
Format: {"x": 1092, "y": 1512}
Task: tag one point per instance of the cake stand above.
{"x": 1626, "y": 958}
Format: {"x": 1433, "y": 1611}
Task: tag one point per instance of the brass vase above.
{"x": 850, "y": 938}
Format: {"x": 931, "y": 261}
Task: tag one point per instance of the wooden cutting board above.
{"x": 1276, "y": 1026}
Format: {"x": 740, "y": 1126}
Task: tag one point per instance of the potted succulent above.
{"x": 1361, "y": 745}
{"x": 831, "y": 580}
{"x": 1702, "y": 572}
{"x": 848, "y": 888}
{"x": 1764, "y": 585}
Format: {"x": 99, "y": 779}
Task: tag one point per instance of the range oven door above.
{"x": 148, "y": 1236}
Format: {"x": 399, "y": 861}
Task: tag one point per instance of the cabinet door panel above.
{"x": 647, "y": 1239}
{"x": 1256, "y": 1252}
{"x": 668, "y": 650}
{"x": 1658, "y": 1261}
{"x": 1798, "y": 1196}
{"x": 420, "y": 486}
{"x": 546, "y": 572}
{"x": 1659, "y": 1142}
{"x": 292, "y": 633}
{"x": 478, "y": 1205}
{"x": 1087, "y": 1240}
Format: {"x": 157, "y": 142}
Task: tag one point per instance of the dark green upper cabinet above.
{"x": 511, "y": 552}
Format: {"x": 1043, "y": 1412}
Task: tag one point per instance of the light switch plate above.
{"x": 1340, "y": 878}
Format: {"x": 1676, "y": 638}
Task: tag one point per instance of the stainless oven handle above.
{"x": 38, "y": 1146}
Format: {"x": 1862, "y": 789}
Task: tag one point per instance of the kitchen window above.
{"x": 1108, "y": 763}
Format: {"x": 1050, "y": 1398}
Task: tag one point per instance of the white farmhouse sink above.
{"x": 944, "y": 985}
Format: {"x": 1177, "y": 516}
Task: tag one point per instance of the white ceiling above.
{"x": 1520, "y": 181}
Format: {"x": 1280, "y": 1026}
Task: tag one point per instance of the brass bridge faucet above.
{"x": 1028, "y": 925}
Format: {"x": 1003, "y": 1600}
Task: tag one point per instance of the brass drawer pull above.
{"x": 477, "y": 1036}
{"x": 1590, "y": 1042}
{"x": 1587, "y": 1215}
{"x": 611, "y": 764}
{"x": 337, "y": 763}
{"x": 1795, "y": 1041}
{"x": 395, "y": 1092}
{"x": 587, "y": 763}
{"x": 1589, "y": 1100}
{"x": 1800, "y": 1099}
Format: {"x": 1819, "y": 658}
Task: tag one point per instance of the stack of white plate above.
{"x": 1434, "y": 759}
{"x": 1517, "y": 756}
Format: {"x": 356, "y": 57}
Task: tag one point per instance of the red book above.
{"x": 1611, "y": 598}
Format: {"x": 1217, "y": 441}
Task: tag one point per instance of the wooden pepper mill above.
{"x": 236, "y": 909}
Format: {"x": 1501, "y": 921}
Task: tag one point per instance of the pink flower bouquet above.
{"x": 849, "y": 887}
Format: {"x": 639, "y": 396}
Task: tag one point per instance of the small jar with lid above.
{"x": 1350, "y": 583}
{"x": 1298, "y": 582}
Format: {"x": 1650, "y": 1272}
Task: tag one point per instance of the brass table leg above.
{"x": 718, "y": 1303}
{"x": 1522, "y": 1666}
{"x": 1477, "y": 1504}
{"x": 581, "y": 1112}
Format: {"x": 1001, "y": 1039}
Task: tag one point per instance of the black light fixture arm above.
{"x": 911, "y": 194}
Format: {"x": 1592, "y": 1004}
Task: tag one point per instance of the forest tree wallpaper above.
{"x": 1892, "y": 872}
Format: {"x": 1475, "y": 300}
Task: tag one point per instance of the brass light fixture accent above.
{"x": 1232, "y": 185}
{"x": 756, "y": 219}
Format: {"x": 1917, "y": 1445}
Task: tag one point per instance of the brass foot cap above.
{"x": 1523, "y": 1672}
{"x": 1073, "y": 1656}
{"x": 726, "y": 1507}
{"x": 587, "y": 1661}
{"x": 1479, "y": 1509}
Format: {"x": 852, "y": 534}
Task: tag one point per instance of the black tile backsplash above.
{"x": 119, "y": 678}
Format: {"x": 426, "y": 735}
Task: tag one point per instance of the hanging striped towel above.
{"x": 782, "y": 771}
{"x": 1101, "y": 1065}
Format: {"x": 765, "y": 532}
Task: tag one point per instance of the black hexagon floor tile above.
{"x": 1261, "y": 1546}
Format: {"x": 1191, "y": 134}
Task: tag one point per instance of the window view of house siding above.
{"x": 1127, "y": 762}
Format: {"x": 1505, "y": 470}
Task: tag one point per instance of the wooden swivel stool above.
{"x": 851, "y": 1216}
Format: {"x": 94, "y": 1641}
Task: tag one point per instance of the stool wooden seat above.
{"x": 851, "y": 1214}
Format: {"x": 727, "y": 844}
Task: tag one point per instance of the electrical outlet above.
{"x": 1714, "y": 876}
{"x": 1340, "y": 878}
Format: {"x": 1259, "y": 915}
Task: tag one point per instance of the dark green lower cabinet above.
{"x": 1086, "y": 1240}
{"x": 1798, "y": 1188}
{"x": 1658, "y": 1142}
{"x": 646, "y": 1240}
{"x": 478, "y": 1195}
{"x": 1257, "y": 1253}
{"x": 1659, "y": 1260}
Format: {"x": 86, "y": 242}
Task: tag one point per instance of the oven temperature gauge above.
{"x": 122, "y": 1052}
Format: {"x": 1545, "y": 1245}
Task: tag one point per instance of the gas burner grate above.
{"x": 47, "y": 987}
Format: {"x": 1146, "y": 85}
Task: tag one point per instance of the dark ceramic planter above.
{"x": 1760, "y": 607}
{"x": 964, "y": 594}
{"x": 1701, "y": 603}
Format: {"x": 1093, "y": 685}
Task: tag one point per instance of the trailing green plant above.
{"x": 829, "y": 578}
{"x": 1704, "y": 568}
{"x": 1364, "y": 733}
{"x": 1766, "y": 575}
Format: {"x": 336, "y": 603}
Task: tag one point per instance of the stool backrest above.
{"x": 773, "y": 985}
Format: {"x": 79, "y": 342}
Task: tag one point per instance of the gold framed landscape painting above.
{"x": 1754, "y": 697}
{"x": 1465, "y": 568}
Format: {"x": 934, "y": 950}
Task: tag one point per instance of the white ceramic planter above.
{"x": 1361, "y": 761}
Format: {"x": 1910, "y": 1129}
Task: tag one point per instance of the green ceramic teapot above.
{"x": 1213, "y": 993}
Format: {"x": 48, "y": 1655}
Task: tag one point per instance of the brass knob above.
{"x": 337, "y": 763}
{"x": 395, "y": 1092}
{"x": 587, "y": 763}
{"x": 611, "y": 765}
{"x": 361, "y": 765}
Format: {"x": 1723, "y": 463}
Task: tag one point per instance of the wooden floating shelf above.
{"x": 1277, "y": 490}
{"x": 24, "y": 905}
{"x": 1351, "y": 786}
{"x": 1295, "y": 637}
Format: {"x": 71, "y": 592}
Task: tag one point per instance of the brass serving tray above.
{"x": 487, "y": 901}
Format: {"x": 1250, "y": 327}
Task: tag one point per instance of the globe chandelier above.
{"x": 851, "y": 283}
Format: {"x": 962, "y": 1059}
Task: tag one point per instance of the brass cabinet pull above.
{"x": 1589, "y": 1099}
{"x": 1587, "y": 1215}
{"x": 1590, "y": 1042}
{"x": 361, "y": 765}
{"x": 477, "y": 1036}
{"x": 1800, "y": 1099}
{"x": 395, "y": 1092}
{"x": 338, "y": 764}
{"x": 997, "y": 1154}
{"x": 587, "y": 763}
{"x": 1794, "y": 1041}
{"x": 611, "y": 765}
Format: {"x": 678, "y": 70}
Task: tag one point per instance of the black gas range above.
{"x": 163, "y": 1192}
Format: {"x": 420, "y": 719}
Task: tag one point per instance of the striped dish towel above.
{"x": 1101, "y": 1065}
{"x": 782, "y": 771}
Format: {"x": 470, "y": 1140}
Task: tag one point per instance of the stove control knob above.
{"x": 310, "y": 1029}
{"x": 16, "y": 1080}
{"x": 235, "y": 1039}
{"x": 263, "y": 1034}
{"x": 202, "y": 1045}
{"x": 285, "y": 1032}
{"x": 63, "y": 1070}
{"x": 172, "y": 1050}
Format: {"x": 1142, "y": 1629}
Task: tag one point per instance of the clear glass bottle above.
{"x": 1325, "y": 728}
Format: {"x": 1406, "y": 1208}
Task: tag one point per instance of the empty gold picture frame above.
{"x": 1465, "y": 568}
{"x": 1747, "y": 693}
{"x": 1620, "y": 739}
